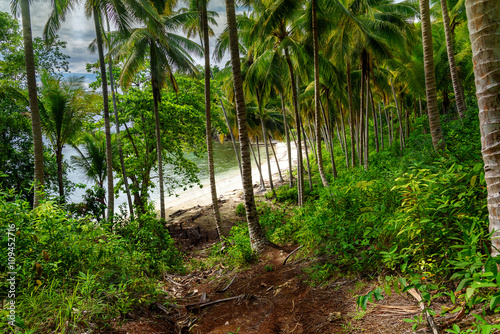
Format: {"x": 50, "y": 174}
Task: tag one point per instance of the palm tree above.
{"x": 484, "y": 29}
{"x": 211, "y": 170}
{"x": 257, "y": 238}
{"x": 163, "y": 50}
{"x": 62, "y": 114}
{"x": 33, "y": 99}
{"x": 117, "y": 10}
{"x": 92, "y": 158}
{"x": 314, "y": 8}
{"x": 457, "y": 85}
{"x": 430, "y": 79}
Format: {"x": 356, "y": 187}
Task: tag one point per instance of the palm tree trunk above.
{"x": 367, "y": 114}
{"x": 351, "y": 115}
{"x": 257, "y": 238}
{"x": 344, "y": 136}
{"x": 401, "y": 137}
{"x": 329, "y": 141}
{"x": 60, "y": 172}
{"x": 259, "y": 167}
{"x": 484, "y": 29}
{"x": 307, "y": 155}
{"x": 430, "y": 78}
{"x": 300, "y": 172}
{"x": 381, "y": 127}
{"x": 375, "y": 121}
{"x": 264, "y": 134}
{"x": 117, "y": 129}
{"x": 361, "y": 114}
{"x": 208, "y": 118}
{"x": 457, "y": 85}
{"x": 288, "y": 144}
{"x": 105, "y": 107}
{"x": 36, "y": 123}
{"x": 276, "y": 159}
{"x": 317, "y": 116}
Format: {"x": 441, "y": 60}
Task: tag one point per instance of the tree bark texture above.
{"x": 208, "y": 118}
{"x": 430, "y": 78}
{"x": 484, "y": 31}
{"x": 105, "y": 107}
{"x": 36, "y": 123}
{"x": 457, "y": 84}
{"x": 257, "y": 237}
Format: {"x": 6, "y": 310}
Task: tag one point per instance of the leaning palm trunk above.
{"x": 430, "y": 78}
{"x": 381, "y": 127}
{"x": 307, "y": 155}
{"x": 457, "y": 85}
{"x": 117, "y": 129}
{"x": 484, "y": 29}
{"x": 276, "y": 159}
{"x": 316, "y": 95}
{"x": 264, "y": 134}
{"x": 351, "y": 115}
{"x": 401, "y": 137}
{"x": 259, "y": 167}
{"x": 258, "y": 240}
{"x": 105, "y": 107}
{"x": 208, "y": 118}
{"x": 300, "y": 165}
{"x": 33, "y": 101}
{"x": 156, "y": 93}
{"x": 288, "y": 144}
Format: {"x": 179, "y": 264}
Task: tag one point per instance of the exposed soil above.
{"x": 267, "y": 297}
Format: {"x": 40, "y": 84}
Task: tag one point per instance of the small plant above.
{"x": 268, "y": 268}
{"x": 240, "y": 210}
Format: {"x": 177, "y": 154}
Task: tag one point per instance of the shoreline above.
{"x": 229, "y": 186}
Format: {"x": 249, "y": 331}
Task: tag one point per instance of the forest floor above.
{"x": 266, "y": 297}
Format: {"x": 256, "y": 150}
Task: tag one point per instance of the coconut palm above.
{"x": 204, "y": 31}
{"x": 33, "y": 97}
{"x": 277, "y": 31}
{"x": 91, "y": 158}
{"x": 257, "y": 238}
{"x": 430, "y": 79}
{"x": 62, "y": 113}
{"x": 117, "y": 11}
{"x": 163, "y": 50}
{"x": 457, "y": 85}
{"x": 484, "y": 28}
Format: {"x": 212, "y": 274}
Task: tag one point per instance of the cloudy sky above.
{"x": 78, "y": 31}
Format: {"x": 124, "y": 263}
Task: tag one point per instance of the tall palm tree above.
{"x": 457, "y": 85}
{"x": 208, "y": 115}
{"x": 33, "y": 98}
{"x": 163, "y": 50}
{"x": 277, "y": 30}
{"x": 62, "y": 114}
{"x": 118, "y": 12}
{"x": 317, "y": 112}
{"x": 484, "y": 29}
{"x": 257, "y": 238}
{"x": 430, "y": 79}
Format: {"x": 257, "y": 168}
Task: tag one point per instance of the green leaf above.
{"x": 473, "y": 180}
{"x": 469, "y": 293}
{"x": 491, "y": 266}
{"x": 465, "y": 282}
{"x": 494, "y": 300}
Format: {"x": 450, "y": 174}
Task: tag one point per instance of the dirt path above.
{"x": 267, "y": 297}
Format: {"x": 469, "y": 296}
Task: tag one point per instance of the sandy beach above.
{"x": 229, "y": 185}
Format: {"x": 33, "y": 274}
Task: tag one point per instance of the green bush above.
{"x": 73, "y": 272}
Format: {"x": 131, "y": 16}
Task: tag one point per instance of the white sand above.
{"x": 229, "y": 185}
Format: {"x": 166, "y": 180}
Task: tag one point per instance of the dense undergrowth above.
{"x": 416, "y": 218}
{"x": 76, "y": 273}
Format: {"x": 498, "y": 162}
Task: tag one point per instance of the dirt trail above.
{"x": 269, "y": 297}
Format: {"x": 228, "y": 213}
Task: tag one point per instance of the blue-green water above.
{"x": 225, "y": 163}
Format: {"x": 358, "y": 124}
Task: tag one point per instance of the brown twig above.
{"x": 227, "y": 287}
{"x": 284, "y": 262}
{"x": 429, "y": 318}
{"x": 198, "y": 305}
